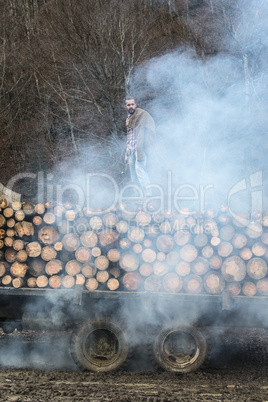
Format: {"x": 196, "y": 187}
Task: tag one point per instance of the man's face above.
{"x": 130, "y": 106}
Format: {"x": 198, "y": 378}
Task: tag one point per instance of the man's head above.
{"x": 130, "y": 105}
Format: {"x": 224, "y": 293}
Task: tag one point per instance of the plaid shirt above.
{"x": 131, "y": 139}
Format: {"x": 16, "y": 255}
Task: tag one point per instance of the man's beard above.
{"x": 131, "y": 111}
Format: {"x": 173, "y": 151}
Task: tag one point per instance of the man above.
{"x": 140, "y": 137}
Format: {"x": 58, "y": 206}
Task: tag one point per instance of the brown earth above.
{"x": 37, "y": 366}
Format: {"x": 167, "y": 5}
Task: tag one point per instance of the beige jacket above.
{"x": 142, "y": 123}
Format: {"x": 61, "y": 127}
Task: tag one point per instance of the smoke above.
{"x": 210, "y": 114}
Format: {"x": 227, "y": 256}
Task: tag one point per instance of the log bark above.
{"x": 40, "y": 208}
{"x": 239, "y": 240}
{"x": 8, "y": 241}
{"x": 10, "y": 255}
{"x": 207, "y": 252}
{"x": 215, "y": 262}
{"x": 96, "y": 251}
{"x": 2, "y": 221}
{"x": 115, "y": 272}
{"x": 19, "y": 215}
{"x": 146, "y": 269}
{"x": 37, "y": 220}
{"x": 262, "y": 286}
{"x": 259, "y": 249}
{"x": 108, "y": 238}
{"x": 7, "y": 280}
{"x": 8, "y": 212}
{"x": 48, "y": 235}
{"x": 3, "y": 268}
{"x": 245, "y": 254}
{"x": 24, "y": 228}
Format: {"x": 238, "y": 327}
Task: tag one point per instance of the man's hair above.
{"x": 129, "y": 97}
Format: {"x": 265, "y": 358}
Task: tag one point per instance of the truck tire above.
{"x": 99, "y": 346}
{"x": 179, "y": 349}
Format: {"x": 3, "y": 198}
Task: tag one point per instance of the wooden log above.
{"x": 224, "y": 249}
{"x": 239, "y": 240}
{"x": 148, "y": 255}
{"x": 172, "y": 258}
{"x": 146, "y": 269}
{"x": 233, "y": 269}
{"x": 172, "y": 283}
{"x": 129, "y": 261}
{"x": 95, "y": 223}
{"x": 165, "y": 227}
{"x": 110, "y": 220}
{"x": 54, "y": 282}
{"x": 165, "y": 243}
{"x": 80, "y": 279}
{"x": 83, "y": 254}
{"x": 33, "y": 249}
{"x": 8, "y": 212}
{"x": 207, "y": 252}
{"x": 227, "y": 232}
{"x": 124, "y": 243}
{"x": 192, "y": 284}
{"x": 143, "y": 218}
{"x": 10, "y": 223}
{"x": 249, "y": 289}
{"x": 137, "y": 248}
{"x": 115, "y": 272}
{"x": 58, "y": 246}
{"x": 160, "y": 268}
{"x": 37, "y": 220}
{"x": 132, "y": 281}
{"x": 113, "y": 255}
{"x": 223, "y": 218}
{"x": 2, "y": 221}
{"x": 17, "y": 283}
{"x": 264, "y": 238}
{"x": 6, "y": 280}
{"x": 89, "y": 239}
{"x": 68, "y": 281}
{"x": 245, "y": 254}
{"x": 22, "y": 256}
{"x": 10, "y": 255}
{"x": 71, "y": 215}
{"x": 161, "y": 256}
{"x": 81, "y": 225}
{"x": 259, "y": 249}
{"x": 183, "y": 268}
{"x": 8, "y": 241}
{"x": 4, "y": 266}
{"x": 2, "y": 233}
{"x": 89, "y": 212}
{"x": 215, "y": 241}
{"x": 4, "y": 203}
{"x": 265, "y": 220}
{"x": 136, "y": 234}
{"x": 48, "y": 235}
{"x": 188, "y": 253}
{"x": 36, "y": 267}
{"x": 101, "y": 262}
{"x": 48, "y": 253}
{"x": 112, "y": 284}
{"x": 147, "y": 243}
{"x": 108, "y": 238}
{"x": 40, "y": 208}
{"x": 254, "y": 230}
{"x": 200, "y": 240}
{"x": 18, "y": 269}
{"x": 96, "y": 252}
{"x": 214, "y": 283}
{"x": 257, "y": 268}
{"x": 19, "y": 215}
{"x": 53, "y": 267}
{"x": 262, "y": 286}
{"x": 24, "y": 228}
{"x": 73, "y": 267}
{"x": 71, "y": 242}
{"x": 28, "y": 208}
{"x": 102, "y": 276}
{"x": 153, "y": 283}
{"x": 234, "y": 288}
{"x": 215, "y": 262}
{"x": 2, "y": 244}
{"x": 10, "y": 232}
{"x": 91, "y": 284}
{"x": 64, "y": 227}
{"x": 199, "y": 266}
{"x": 65, "y": 255}
{"x": 182, "y": 237}
{"x": 122, "y": 227}
{"x": 31, "y": 282}
{"x": 89, "y": 270}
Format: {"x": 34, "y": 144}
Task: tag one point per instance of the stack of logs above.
{"x": 59, "y": 246}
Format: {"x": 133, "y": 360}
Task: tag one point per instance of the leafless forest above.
{"x": 66, "y": 65}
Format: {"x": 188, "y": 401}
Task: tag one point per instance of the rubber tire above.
{"x": 167, "y": 364}
{"x": 79, "y": 350}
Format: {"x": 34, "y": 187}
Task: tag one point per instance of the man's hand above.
{"x": 126, "y": 159}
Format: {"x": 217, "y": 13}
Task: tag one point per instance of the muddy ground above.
{"x": 37, "y": 366}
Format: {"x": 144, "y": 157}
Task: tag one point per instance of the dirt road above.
{"x": 38, "y": 367}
